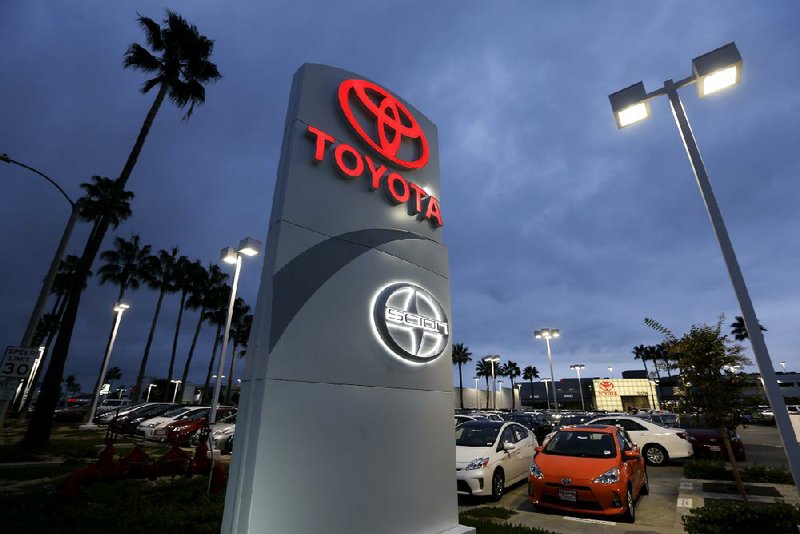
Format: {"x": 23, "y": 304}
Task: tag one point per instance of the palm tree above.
{"x": 739, "y": 331}
{"x": 461, "y": 355}
{"x": 158, "y": 272}
{"x": 216, "y": 314}
{"x": 529, "y": 373}
{"x": 241, "y": 322}
{"x": 640, "y": 353}
{"x": 105, "y": 201}
{"x": 484, "y": 369}
{"x": 186, "y": 273}
{"x": 202, "y": 296}
{"x": 511, "y": 370}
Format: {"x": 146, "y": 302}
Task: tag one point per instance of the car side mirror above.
{"x": 538, "y": 449}
{"x": 631, "y": 455}
{"x": 508, "y": 446}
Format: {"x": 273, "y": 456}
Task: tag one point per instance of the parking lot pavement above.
{"x": 762, "y": 445}
{"x": 654, "y": 513}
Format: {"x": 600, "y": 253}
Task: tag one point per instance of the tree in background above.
{"x": 739, "y": 330}
{"x": 241, "y": 322}
{"x": 711, "y": 388}
{"x": 529, "y": 373}
{"x": 216, "y": 313}
{"x": 484, "y": 369}
{"x": 512, "y": 371}
{"x": 181, "y": 66}
{"x": 158, "y": 272}
{"x": 114, "y": 373}
{"x": 186, "y": 275}
{"x": 71, "y": 386}
{"x": 461, "y": 355}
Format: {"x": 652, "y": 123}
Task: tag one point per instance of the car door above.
{"x": 509, "y": 459}
{"x": 634, "y": 465}
{"x": 525, "y": 445}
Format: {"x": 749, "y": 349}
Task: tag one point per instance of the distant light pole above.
{"x": 175, "y": 393}
{"x": 610, "y": 372}
{"x": 493, "y": 358}
{"x": 151, "y": 386}
{"x": 712, "y": 72}
{"x": 577, "y": 367}
{"x": 652, "y": 385}
{"x": 120, "y": 308}
{"x": 247, "y": 247}
{"x": 783, "y": 364}
{"x": 500, "y": 385}
{"x": 518, "y": 387}
{"x": 547, "y": 334}
{"x": 546, "y": 390}
{"x": 477, "y": 400}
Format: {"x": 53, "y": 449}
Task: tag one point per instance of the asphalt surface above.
{"x": 655, "y": 513}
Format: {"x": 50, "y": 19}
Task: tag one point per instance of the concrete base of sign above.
{"x": 376, "y": 464}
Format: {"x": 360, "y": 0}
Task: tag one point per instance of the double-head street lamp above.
{"x": 493, "y": 359}
{"x": 577, "y": 367}
{"x": 175, "y": 392}
{"x": 712, "y": 72}
{"x": 547, "y": 334}
{"x": 783, "y": 364}
{"x": 119, "y": 309}
{"x": 247, "y": 247}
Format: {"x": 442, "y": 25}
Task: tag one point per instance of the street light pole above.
{"x": 175, "y": 393}
{"x": 712, "y": 72}
{"x": 119, "y": 309}
{"x": 151, "y": 386}
{"x": 548, "y": 333}
{"x": 493, "y": 359}
{"x": 247, "y": 247}
{"x": 578, "y": 367}
{"x": 611, "y": 372}
{"x": 547, "y": 391}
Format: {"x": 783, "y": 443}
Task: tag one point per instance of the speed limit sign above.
{"x": 18, "y": 362}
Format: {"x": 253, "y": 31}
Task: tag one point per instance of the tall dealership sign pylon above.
{"x": 345, "y": 419}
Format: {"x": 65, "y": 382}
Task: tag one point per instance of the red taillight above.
{"x": 681, "y": 435}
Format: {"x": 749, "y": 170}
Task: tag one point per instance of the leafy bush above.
{"x": 733, "y": 517}
{"x": 484, "y": 519}
{"x": 711, "y": 470}
{"x": 486, "y": 512}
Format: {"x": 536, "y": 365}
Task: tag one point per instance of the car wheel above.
{"x": 630, "y": 514}
{"x": 655, "y": 455}
{"x": 498, "y": 484}
{"x": 645, "y": 485}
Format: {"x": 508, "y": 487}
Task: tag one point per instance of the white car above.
{"x": 491, "y": 455}
{"x": 657, "y": 443}
{"x": 153, "y": 428}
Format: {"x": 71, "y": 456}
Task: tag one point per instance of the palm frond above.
{"x": 152, "y": 32}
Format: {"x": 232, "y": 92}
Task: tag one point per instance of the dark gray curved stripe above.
{"x": 297, "y": 281}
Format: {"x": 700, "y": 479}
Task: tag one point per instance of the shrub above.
{"x": 711, "y": 470}
{"x": 707, "y": 469}
{"x": 759, "y": 473}
{"x": 733, "y": 517}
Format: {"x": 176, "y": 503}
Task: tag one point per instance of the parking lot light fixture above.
{"x": 577, "y": 367}
{"x": 546, "y": 390}
{"x": 175, "y": 393}
{"x": 547, "y": 334}
{"x": 247, "y": 247}
{"x": 704, "y": 68}
{"x": 630, "y": 105}
{"x": 119, "y": 308}
{"x": 783, "y": 364}
{"x": 610, "y": 372}
{"x": 151, "y": 386}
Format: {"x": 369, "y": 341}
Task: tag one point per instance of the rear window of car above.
{"x": 583, "y": 444}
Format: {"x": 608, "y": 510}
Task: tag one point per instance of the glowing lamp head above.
{"x": 228, "y": 255}
{"x": 121, "y": 307}
{"x": 718, "y": 69}
{"x": 547, "y": 333}
{"x": 630, "y": 105}
{"x": 249, "y": 246}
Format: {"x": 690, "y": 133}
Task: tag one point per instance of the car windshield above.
{"x": 175, "y": 412}
{"x": 584, "y": 444}
{"x": 476, "y": 436}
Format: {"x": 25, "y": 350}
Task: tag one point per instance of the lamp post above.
{"x": 151, "y": 386}
{"x": 783, "y": 364}
{"x": 547, "y": 390}
{"x": 652, "y": 386}
{"x": 500, "y": 385}
{"x": 477, "y": 401}
{"x": 247, "y": 247}
{"x": 120, "y": 308}
{"x": 493, "y": 359}
{"x": 547, "y": 334}
{"x": 577, "y": 367}
{"x": 175, "y": 392}
{"x": 712, "y": 72}
{"x": 610, "y": 372}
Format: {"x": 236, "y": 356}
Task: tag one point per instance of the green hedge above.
{"x": 734, "y": 517}
{"x": 711, "y": 470}
{"x": 485, "y": 520}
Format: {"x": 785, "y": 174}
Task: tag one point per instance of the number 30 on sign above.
{"x": 18, "y": 361}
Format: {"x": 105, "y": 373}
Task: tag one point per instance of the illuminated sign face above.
{"x": 606, "y": 388}
{"x": 393, "y": 122}
{"x": 410, "y": 322}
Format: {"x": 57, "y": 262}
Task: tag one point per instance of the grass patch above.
{"x": 715, "y": 470}
{"x": 177, "y": 506}
{"x": 485, "y": 520}
{"x": 18, "y": 473}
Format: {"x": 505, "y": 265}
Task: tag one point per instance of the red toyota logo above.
{"x": 393, "y": 121}
{"x": 607, "y": 385}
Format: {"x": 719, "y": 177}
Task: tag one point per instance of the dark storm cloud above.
{"x": 553, "y": 217}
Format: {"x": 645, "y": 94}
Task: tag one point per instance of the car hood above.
{"x": 575, "y": 467}
{"x": 465, "y": 455}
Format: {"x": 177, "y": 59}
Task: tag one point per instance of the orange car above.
{"x": 594, "y": 469}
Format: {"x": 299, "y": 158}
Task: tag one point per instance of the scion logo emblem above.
{"x": 410, "y": 322}
{"x": 393, "y": 122}
{"x": 566, "y": 481}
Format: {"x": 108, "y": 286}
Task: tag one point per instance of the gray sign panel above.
{"x": 345, "y": 423}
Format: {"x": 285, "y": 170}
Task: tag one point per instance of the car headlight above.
{"x": 736, "y": 437}
{"x": 477, "y": 463}
{"x": 535, "y": 471}
{"x": 609, "y": 477}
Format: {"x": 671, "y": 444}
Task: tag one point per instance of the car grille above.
{"x": 555, "y": 485}
{"x": 583, "y": 505}
{"x": 461, "y": 485}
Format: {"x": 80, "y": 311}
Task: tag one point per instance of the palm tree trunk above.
{"x": 230, "y": 374}
{"x": 175, "y": 337}
{"x": 211, "y": 362}
{"x": 143, "y": 365}
{"x": 460, "y": 386}
{"x": 143, "y": 131}
{"x": 185, "y": 374}
{"x": 37, "y": 435}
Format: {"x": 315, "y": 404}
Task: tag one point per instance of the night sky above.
{"x": 553, "y": 217}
